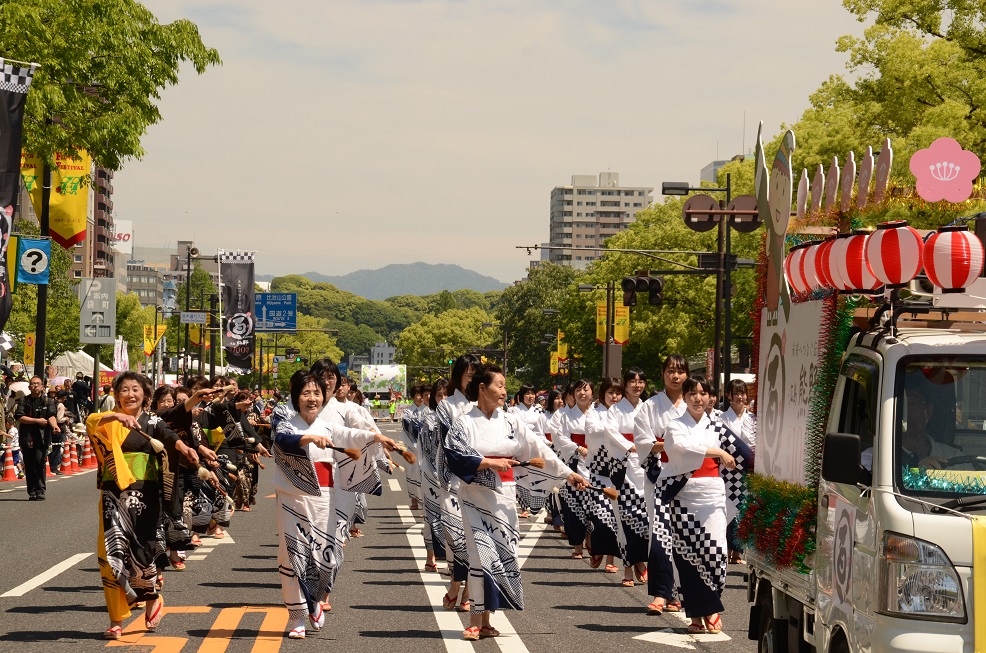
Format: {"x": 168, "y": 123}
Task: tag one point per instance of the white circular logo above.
{"x": 34, "y": 261}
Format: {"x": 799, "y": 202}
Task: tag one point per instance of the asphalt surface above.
{"x": 229, "y": 601}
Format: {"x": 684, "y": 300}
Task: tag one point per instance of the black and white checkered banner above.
{"x": 239, "y": 318}
{"x": 15, "y": 80}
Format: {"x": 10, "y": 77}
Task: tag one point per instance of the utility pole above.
{"x": 214, "y": 328}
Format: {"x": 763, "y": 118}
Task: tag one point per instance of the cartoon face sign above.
{"x": 781, "y": 187}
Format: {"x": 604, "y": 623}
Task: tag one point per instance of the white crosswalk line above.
{"x": 43, "y": 578}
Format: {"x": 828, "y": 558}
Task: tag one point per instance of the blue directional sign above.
{"x": 276, "y": 311}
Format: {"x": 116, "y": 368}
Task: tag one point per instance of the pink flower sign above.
{"x": 945, "y": 171}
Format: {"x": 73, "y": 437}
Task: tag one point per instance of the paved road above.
{"x": 229, "y": 601}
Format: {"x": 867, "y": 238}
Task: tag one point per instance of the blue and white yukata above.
{"x": 600, "y": 509}
{"x": 530, "y": 498}
{"x": 456, "y": 554}
{"x": 431, "y": 487}
{"x": 567, "y": 440}
{"x": 489, "y": 500}
{"x": 692, "y": 508}
{"x": 410, "y": 425}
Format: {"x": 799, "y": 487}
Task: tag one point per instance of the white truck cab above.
{"x": 901, "y": 492}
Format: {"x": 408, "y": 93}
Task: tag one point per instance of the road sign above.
{"x": 193, "y": 317}
{"x": 278, "y": 359}
{"x": 97, "y": 317}
{"x": 276, "y": 311}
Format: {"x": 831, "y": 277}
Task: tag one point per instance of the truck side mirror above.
{"x": 840, "y": 458}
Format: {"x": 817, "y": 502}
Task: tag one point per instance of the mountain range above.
{"x": 405, "y": 279}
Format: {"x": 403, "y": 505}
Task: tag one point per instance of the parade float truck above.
{"x": 865, "y": 521}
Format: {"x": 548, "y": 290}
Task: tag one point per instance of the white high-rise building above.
{"x": 590, "y": 210}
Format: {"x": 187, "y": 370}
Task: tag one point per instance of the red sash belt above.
{"x": 710, "y": 467}
{"x": 324, "y": 473}
{"x": 628, "y": 436}
{"x": 664, "y": 454}
{"x": 547, "y": 436}
{"x": 579, "y": 439}
{"x": 507, "y": 476}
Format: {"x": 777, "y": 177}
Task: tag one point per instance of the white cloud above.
{"x": 345, "y": 135}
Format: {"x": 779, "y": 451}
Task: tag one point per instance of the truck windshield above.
{"x": 940, "y": 409}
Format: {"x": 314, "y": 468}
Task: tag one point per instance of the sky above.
{"x": 340, "y": 135}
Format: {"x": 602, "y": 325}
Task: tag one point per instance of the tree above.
{"x": 521, "y": 311}
{"x": 434, "y": 340}
{"x": 103, "y": 65}
{"x": 63, "y": 305}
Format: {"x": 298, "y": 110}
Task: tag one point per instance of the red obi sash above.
{"x": 579, "y": 439}
{"x": 507, "y": 476}
{"x": 664, "y": 454}
{"x": 710, "y": 467}
{"x": 547, "y": 437}
{"x": 628, "y": 436}
{"x": 323, "y": 471}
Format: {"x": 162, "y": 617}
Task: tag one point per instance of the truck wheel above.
{"x": 772, "y": 634}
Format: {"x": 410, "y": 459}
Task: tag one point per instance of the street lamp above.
{"x": 486, "y": 325}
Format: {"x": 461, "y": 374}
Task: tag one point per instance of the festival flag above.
{"x": 33, "y": 260}
{"x": 121, "y": 358}
{"x": 621, "y": 324}
{"x": 68, "y": 204}
{"x": 236, "y": 273}
{"x": 601, "y": 316}
{"x": 562, "y": 346}
{"x": 554, "y": 363}
{"x": 29, "y": 340}
{"x": 150, "y": 342}
{"x": 15, "y": 80}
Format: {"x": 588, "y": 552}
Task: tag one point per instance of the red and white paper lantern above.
{"x": 953, "y": 258}
{"x": 894, "y": 252}
{"x": 794, "y": 269}
{"x": 858, "y": 273}
{"x": 837, "y": 263}
{"x": 823, "y": 268}
{"x": 809, "y": 264}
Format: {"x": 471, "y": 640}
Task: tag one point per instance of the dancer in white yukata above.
{"x": 650, "y": 426}
{"x": 738, "y": 419}
{"x": 410, "y": 426}
{"x": 600, "y": 462}
{"x": 693, "y": 503}
{"x": 531, "y": 499}
{"x": 569, "y": 442}
{"x": 431, "y": 493}
{"x": 482, "y": 449}
{"x": 307, "y": 554}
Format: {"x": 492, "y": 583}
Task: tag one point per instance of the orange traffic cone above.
{"x": 88, "y": 457}
{"x": 48, "y": 472}
{"x": 9, "y": 471}
{"x": 73, "y": 456}
{"x": 66, "y": 466}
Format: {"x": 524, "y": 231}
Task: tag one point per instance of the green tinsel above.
{"x": 918, "y": 479}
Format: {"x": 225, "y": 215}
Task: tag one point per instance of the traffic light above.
{"x": 655, "y": 291}
{"x": 653, "y": 286}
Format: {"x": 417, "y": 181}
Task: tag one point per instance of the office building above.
{"x": 382, "y": 354}
{"x": 590, "y": 210}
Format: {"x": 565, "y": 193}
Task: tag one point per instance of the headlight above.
{"x": 918, "y": 580}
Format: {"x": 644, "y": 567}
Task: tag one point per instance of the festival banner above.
{"x": 621, "y": 324}
{"x": 29, "y": 340}
{"x": 601, "y": 316}
{"x": 554, "y": 363}
{"x": 195, "y": 334}
{"x": 69, "y": 201}
{"x": 237, "y": 297}
{"x": 15, "y": 80}
{"x": 106, "y": 377}
{"x": 121, "y": 357}
{"x": 150, "y": 342}
{"x": 562, "y": 346}
{"x": 12, "y": 262}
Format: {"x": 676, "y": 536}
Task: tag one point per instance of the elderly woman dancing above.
{"x": 305, "y": 448}
{"x": 130, "y": 446}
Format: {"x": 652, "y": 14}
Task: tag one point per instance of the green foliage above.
{"x": 312, "y": 345}
{"x": 431, "y": 341}
{"x": 103, "y": 65}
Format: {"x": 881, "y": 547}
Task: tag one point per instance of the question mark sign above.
{"x": 34, "y": 261}
{"x": 37, "y": 256}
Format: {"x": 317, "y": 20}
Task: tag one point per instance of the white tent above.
{"x": 77, "y": 361}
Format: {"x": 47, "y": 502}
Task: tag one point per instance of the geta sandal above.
{"x": 627, "y": 582}
{"x": 153, "y": 620}
{"x": 489, "y": 631}
{"x": 471, "y": 634}
{"x": 696, "y": 629}
{"x": 641, "y": 577}
{"x": 576, "y": 556}
{"x": 431, "y": 566}
{"x": 297, "y": 632}
{"x": 713, "y": 624}
{"x": 113, "y": 632}
{"x": 657, "y": 608}
{"x": 465, "y": 606}
{"x": 611, "y": 569}
{"x": 673, "y": 606}
{"x": 448, "y": 602}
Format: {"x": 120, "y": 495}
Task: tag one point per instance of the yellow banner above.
{"x": 29, "y": 339}
{"x": 562, "y": 346}
{"x": 601, "y": 318}
{"x": 621, "y": 324}
{"x": 150, "y": 342}
{"x": 69, "y": 196}
{"x": 195, "y": 334}
{"x": 554, "y": 363}
{"x": 12, "y": 263}
{"x": 267, "y": 363}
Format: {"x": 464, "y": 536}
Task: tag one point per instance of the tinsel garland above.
{"x": 777, "y": 518}
{"x": 918, "y": 479}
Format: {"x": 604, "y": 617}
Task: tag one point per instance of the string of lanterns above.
{"x": 861, "y": 263}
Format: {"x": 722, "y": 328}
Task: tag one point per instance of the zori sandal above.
{"x": 713, "y": 624}
{"x": 657, "y": 607}
{"x": 298, "y": 632}
{"x": 152, "y": 620}
{"x": 696, "y": 628}
{"x": 489, "y": 631}
{"x": 471, "y": 634}
{"x": 113, "y": 632}
{"x": 448, "y": 602}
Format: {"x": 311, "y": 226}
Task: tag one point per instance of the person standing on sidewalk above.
{"x": 35, "y": 417}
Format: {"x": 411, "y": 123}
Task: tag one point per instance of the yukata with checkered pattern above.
{"x": 693, "y": 500}
{"x": 600, "y": 462}
{"x": 628, "y": 479}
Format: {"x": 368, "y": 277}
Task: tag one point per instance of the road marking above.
{"x": 43, "y": 578}
{"x": 395, "y": 485}
{"x": 529, "y": 541}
